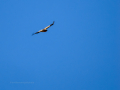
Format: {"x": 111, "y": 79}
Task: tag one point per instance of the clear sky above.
{"x": 79, "y": 52}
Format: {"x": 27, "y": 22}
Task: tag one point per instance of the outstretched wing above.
{"x": 35, "y": 33}
{"x": 49, "y": 25}
{"x": 44, "y": 28}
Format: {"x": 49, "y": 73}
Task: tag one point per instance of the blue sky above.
{"x": 79, "y": 52}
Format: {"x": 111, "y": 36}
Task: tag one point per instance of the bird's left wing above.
{"x": 49, "y": 25}
{"x": 35, "y": 33}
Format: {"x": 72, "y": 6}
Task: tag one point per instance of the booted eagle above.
{"x": 44, "y": 30}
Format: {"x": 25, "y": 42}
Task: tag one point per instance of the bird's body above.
{"x": 43, "y": 30}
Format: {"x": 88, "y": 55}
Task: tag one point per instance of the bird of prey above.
{"x": 44, "y": 30}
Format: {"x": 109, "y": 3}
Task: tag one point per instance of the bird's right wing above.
{"x": 49, "y": 25}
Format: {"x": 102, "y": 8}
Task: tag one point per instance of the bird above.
{"x": 45, "y": 29}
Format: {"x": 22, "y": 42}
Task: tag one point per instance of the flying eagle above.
{"x": 44, "y": 30}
